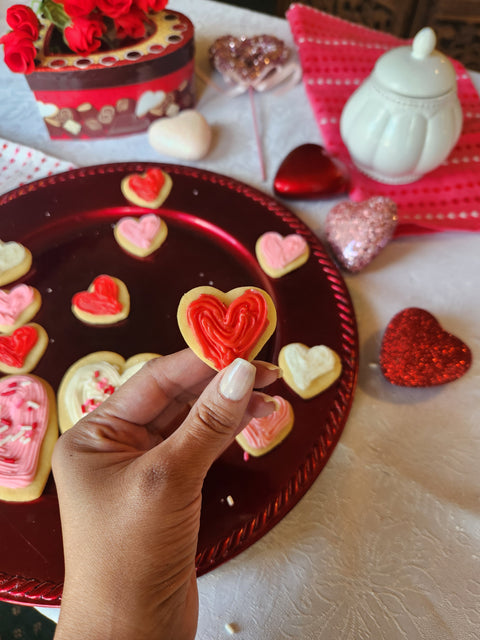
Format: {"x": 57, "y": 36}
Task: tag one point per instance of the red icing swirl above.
{"x": 15, "y": 348}
{"x": 102, "y": 300}
{"x": 147, "y": 186}
{"x": 228, "y": 332}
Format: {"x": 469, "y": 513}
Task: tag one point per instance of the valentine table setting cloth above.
{"x": 386, "y": 542}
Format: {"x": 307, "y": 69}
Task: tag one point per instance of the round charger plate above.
{"x": 213, "y": 222}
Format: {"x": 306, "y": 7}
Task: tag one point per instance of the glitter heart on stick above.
{"x": 417, "y": 352}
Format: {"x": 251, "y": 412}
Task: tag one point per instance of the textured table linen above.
{"x": 386, "y": 543}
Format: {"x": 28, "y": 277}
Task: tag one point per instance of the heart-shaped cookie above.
{"x": 18, "y": 306}
{"x": 220, "y": 327}
{"x": 417, "y": 352}
{"x": 91, "y": 380}
{"x": 21, "y": 350}
{"x": 278, "y": 255}
{"x": 358, "y": 231}
{"x": 149, "y": 189}
{"x": 141, "y": 236}
{"x": 309, "y": 172}
{"x": 186, "y": 136}
{"x": 309, "y": 371}
{"x": 107, "y": 301}
{"x": 28, "y": 432}
{"x": 261, "y": 435}
{"x": 15, "y": 261}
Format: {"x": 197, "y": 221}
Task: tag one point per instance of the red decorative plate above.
{"x": 213, "y": 221}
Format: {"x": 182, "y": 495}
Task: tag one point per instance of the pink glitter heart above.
{"x": 358, "y": 231}
{"x": 246, "y": 60}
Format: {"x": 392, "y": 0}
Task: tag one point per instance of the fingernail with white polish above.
{"x": 237, "y": 379}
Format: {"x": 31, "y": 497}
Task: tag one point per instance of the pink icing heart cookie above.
{"x": 18, "y": 306}
{"x": 279, "y": 255}
{"x": 28, "y": 433}
{"x": 107, "y": 301}
{"x": 15, "y": 261}
{"x": 141, "y": 236}
{"x": 261, "y": 435}
{"x": 309, "y": 371}
{"x": 21, "y": 350}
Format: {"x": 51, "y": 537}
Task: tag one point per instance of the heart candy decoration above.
{"x": 149, "y": 189}
{"x": 106, "y": 302}
{"x": 21, "y": 350}
{"x": 309, "y": 371}
{"x": 220, "y": 327}
{"x": 18, "y": 306}
{"x": 141, "y": 236}
{"x": 28, "y": 432}
{"x": 186, "y": 136}
{"x": 261, "y": 435}
{"x": 358, "y": 231}
{"x": 417, "y": 352}
{"x": 278, "y": 255}
{"x": 310, "y": 172}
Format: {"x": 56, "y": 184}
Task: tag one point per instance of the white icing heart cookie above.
{"x": 18, "y": 306}
{"x": 309, "y": 371}
{"x": 91, "y": 380}
{"x": 15, "y": 261}
{"x": 261, "y": 435}
{"x": 141, "y": 236}
{"x": 278, "y": 255}
{"x": 28, "y": 433}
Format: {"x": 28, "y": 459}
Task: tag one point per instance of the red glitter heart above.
{"x": 15, "y": 348}
{"x": 309, "y": 172}
{"x": 101, "y": 300}
{"x": 417, "y": 352}
{"x": 148, "y": 185}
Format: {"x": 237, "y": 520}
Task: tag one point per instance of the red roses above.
{"x": 85, "y": 24}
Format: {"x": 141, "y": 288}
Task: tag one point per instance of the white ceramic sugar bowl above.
{"x": 405, "y": 118}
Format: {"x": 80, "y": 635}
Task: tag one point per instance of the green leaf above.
{"x": 55, "y": 13}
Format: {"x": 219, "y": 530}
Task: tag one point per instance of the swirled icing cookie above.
{"x": 261, "y": 435}
{"x": 22, "y": 349}
{"x": 309, "y": 371}
{"x": 107, "y": 301}
{"x": 141, "y": 236}
{"x": 15, "y": 261}
{"x": 278, "y": 255}
{"x": 28, "y": 432}
{"x": 149, "y": 189}
{"x": 91, "y": 380}
{"x": 18, "y": 306}
{"x": 220, "y": 327}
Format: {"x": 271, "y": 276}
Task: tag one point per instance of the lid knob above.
{"x": 424, "y": 43}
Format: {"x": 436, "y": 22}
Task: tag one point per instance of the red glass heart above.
{"x": 309, "y": 172}
{"x": 148, "y": 185}
{"x": 16, "y": 347}
{"x": 417, "y": 352}
{"x": 226, "y": 333}
{"x": 101, "y": 300}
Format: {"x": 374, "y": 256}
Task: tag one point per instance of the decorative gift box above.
{"x": 115, "y": 92}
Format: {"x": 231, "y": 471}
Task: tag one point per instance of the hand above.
{"x": 129, "y": 478}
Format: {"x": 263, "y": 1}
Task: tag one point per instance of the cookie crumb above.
{"x": 230, "y": 501}
{"x": 231, "y": 628}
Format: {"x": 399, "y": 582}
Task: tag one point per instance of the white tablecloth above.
{"x": 386, "y": 544}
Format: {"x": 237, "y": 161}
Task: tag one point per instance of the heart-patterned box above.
{"x": 115, "y": 92}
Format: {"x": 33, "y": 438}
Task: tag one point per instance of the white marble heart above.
{"x": 186, "y": 136}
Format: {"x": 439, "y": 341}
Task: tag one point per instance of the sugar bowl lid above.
{"x": 419, "y": 71}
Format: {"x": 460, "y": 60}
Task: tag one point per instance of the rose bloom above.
{"x": 114, "y": 8}
{"x": 83, "y": 35}
{"x": 131, "y": 24}
{"x": 22, "y": 18}
{"x": 153, "y": 5}
{"x": 19, "y": 52}
{"x": 78, "y": 8}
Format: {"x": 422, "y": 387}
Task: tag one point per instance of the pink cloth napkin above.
{"x": 336, "y": 56}
{"x": 20, "y": 164}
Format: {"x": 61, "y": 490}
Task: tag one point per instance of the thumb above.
{"x": 215, "y": 419}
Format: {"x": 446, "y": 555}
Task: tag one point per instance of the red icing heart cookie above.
{"x": 21, "y": 350}
{"x": 149, "y": 189}
{"x": 28, "y": 432}
{"x": 417, "y": 352}
{"x": 106, "y": 302}
{"x": 220, "y": 327}
{"x": 309, "y": 172}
